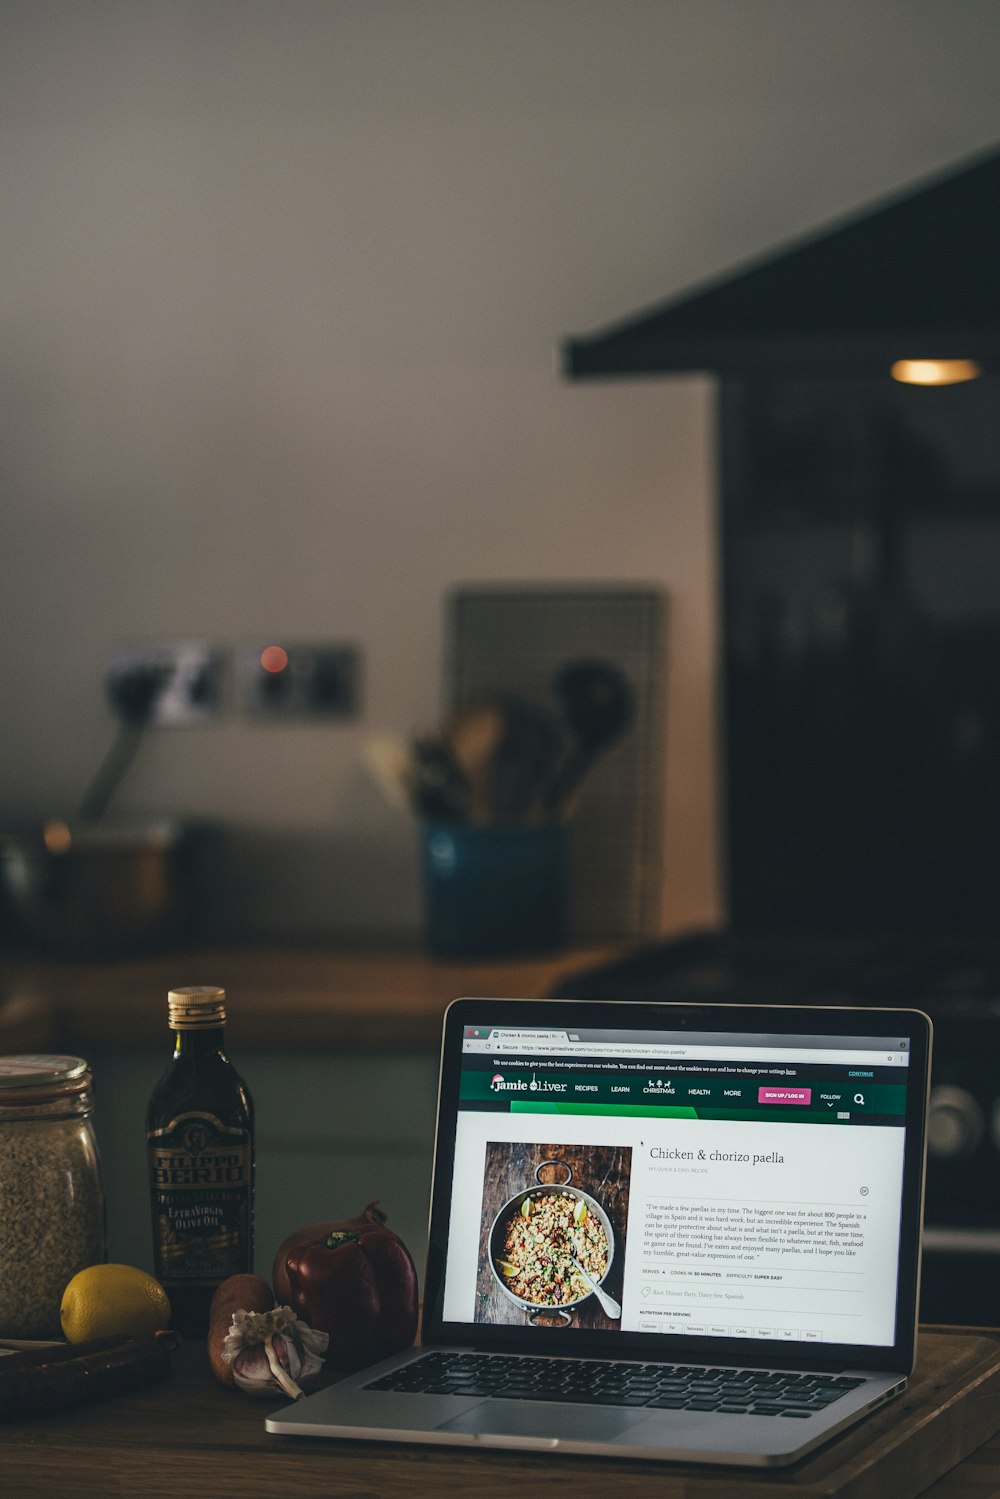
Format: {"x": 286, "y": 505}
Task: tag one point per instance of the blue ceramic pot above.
{"x": 493, "y": 891}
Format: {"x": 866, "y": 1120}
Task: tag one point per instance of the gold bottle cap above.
{"x": 197, "y": 1008}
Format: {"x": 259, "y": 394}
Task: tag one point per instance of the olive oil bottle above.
{"x": 200, "y": 1147}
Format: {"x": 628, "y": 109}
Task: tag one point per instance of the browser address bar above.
{"x": 686, "y": 1052}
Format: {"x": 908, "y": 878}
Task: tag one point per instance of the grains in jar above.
{"x": 51, "y": 1197}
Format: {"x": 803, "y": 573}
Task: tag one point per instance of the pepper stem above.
{"x": 341, "y": 1236}
{"x": 285, "y": 1380}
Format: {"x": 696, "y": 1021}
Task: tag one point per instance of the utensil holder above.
{"x": 491, "y": 890}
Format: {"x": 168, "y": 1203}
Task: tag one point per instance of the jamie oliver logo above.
{"x": 501, "y": 1084}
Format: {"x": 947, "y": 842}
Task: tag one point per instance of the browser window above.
{"x": 717, "y": 1185}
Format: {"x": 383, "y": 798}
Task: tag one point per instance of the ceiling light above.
{"x": 935, "y": 371}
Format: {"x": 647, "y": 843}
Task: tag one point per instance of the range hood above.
{"x": 915, "y": 277}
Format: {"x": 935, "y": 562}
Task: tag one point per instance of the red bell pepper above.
{"x": 355, "y": 1281}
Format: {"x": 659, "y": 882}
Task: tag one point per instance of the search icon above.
{"x": 859, "y": 1098}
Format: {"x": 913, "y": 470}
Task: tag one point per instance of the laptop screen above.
{"x": 680, "y": 1174}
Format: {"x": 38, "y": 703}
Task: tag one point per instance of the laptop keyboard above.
{"x": 753, "y": 1392}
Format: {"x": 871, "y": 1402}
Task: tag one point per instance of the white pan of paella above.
{"x": 551, "y": 1247}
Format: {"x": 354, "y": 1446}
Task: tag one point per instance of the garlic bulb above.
{"x": 274, "y": 1349}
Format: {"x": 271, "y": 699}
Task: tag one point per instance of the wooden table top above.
{"x": 189, "y": 1438}
{"x": 385, "y": 998}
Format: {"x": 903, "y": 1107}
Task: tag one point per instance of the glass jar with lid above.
{"x": 52, "y": 1220}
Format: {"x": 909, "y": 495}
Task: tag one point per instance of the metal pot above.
{"x": 101, "y": 887}
{"x": 500, "y": 1222}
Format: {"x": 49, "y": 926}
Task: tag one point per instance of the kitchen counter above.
{"x": 385, "y": 998}
{"x": 188, "y": 1437}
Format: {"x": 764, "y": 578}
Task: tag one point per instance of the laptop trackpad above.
{"x": 508, "y": 1418}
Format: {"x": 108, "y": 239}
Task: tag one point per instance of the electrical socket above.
{"x": 282, "y": 679}
{"x": 171, "y": 683}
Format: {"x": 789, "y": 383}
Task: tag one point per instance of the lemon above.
{"x": 106, "y": 1301}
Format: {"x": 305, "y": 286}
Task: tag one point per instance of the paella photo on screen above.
{"x": 552, "y": 1243}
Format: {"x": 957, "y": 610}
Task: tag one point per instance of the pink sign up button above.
{"x": 784, "y": 1095}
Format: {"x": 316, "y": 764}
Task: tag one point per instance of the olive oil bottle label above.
{"x": 201, "y": 1174}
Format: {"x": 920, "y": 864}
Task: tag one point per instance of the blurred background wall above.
{"x": 281, "y": 285}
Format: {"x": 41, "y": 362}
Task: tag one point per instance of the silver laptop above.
{"x": 684, "y": 1232}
